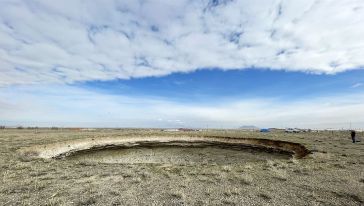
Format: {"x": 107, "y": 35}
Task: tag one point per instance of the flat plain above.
{"x": 333, "y": 174}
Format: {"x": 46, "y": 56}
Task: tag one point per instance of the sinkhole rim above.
{"x": 64, "y": 149}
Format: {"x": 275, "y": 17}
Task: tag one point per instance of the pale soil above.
{"x": 70, "y": 147}
{"x": 177, "y": 155}
{"x": 332, "y": 175}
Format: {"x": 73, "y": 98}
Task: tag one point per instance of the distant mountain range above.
{"x": 249, "y": 127}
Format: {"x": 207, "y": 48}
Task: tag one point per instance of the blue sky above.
{"x": 154, "y": 63}
{"x": 205, "y": 98}
{"x": 206, "y": 85}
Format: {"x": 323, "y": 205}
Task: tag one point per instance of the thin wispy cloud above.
{"x": 356, "y": 85}
{"x": 72, "y": 106}
{"x": 72, "y": 40}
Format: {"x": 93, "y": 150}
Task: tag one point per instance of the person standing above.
{"x": 353, "y": 135}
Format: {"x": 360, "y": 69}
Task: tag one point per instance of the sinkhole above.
{"x": 211, "y": 154}
{"x": 168, "y": 150}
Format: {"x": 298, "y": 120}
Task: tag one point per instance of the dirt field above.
{"x": 332, "y": 175}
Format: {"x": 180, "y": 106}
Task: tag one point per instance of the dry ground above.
{"x": 332, "y": 175}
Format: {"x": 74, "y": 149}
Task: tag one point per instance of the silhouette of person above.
{"x": 353, "y": 135}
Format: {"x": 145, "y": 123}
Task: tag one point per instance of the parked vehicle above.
{"x": 264, "y": 130}
{"x": 292, "y": 130}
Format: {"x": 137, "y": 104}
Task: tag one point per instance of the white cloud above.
{"x": 357, "y": 85}
{"x": 72, "y": 40}
{"x": 71, "y": 106}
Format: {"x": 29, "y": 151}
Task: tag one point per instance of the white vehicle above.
{"x": 292, "y": 130}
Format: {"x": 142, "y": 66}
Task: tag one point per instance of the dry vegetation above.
{"x": 332, "y": 175}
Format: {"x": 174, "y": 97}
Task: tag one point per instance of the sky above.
{"x": 182, "y": 63}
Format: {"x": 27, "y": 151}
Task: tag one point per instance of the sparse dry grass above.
{"x": 332, "y": 175}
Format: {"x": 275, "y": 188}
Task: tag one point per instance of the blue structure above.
{"x": 264, "y": 130}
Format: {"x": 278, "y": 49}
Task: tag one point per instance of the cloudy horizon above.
{"x": 216, "y": 64}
